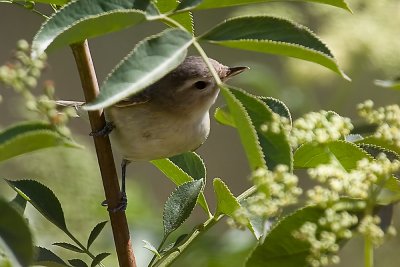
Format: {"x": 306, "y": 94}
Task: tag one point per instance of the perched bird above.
{"x": 167, "y": 118}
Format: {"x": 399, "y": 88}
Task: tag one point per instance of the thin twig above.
{"x": 105, "y": 157}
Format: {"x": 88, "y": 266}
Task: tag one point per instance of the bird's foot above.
{"x": 107, "y": 129}
{"x": 123, "y": 203}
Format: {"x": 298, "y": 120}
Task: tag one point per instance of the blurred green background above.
{"x": 365, "y": 43}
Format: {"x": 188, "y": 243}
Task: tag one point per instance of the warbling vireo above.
{"x": 169, "y": 117}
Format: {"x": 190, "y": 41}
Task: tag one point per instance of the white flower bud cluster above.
{"x": 320, "y": 127}
{"x": 336, "y": 222}
{"x": 277, "y": 124}
{"x": 275, "y": 190}
{"x": 369, "y": 227}
{"x": 22, "y": 75}
{"x": 387, "y": 118}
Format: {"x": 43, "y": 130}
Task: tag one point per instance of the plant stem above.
{"x": 368, "y": 252}
{"x": 105, "y": 157}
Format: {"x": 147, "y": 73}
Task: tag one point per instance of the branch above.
{"x": 105, "y": 157}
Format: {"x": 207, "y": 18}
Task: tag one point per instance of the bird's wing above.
{"x": 141, "y": 98}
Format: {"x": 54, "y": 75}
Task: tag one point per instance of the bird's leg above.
{"x": 107, "y": 129}
{"x": 124, "y": 200}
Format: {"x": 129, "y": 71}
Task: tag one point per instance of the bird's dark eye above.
{"x": 200, "y": 85}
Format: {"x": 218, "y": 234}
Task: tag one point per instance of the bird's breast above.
{"x": 144, "y": 134}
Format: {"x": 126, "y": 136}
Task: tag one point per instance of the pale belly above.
{"x": 140, "y": 135}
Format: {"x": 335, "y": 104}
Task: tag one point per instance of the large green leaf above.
{"x": 178, "y": 176}
{"x": 247, "y": 132}
{"x": 84, "y": 19}
{"x": 191, "y": 163}
{"x": 43, "y": 199}
{"x": 180, "y": 205}
{"x": 151, "y": 59}
{"x": 188, "y": 4}
{"x": 311, "y": 155}
{"x": 280, "y": 247}
{"x": 15, "y": 235}
{"x": 225, "y": 3}
{"x": 275, "y": 145}
{"x": 275, "y": 36}
{"x": 30, "y": 136}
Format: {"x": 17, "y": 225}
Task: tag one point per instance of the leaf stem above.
{"x": 368, "y": 252}
{"x": 73, "y": 238}
{"x": 24, "y": 7}
{"x": 158, "y": 249}
{"x": 105, "y": 157}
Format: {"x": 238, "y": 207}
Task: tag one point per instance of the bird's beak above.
{"x": 234, "y": 71}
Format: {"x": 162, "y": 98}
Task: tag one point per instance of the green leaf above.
{"x": 392, "y": 84}
{"x": 275, "y": 146}
{"x": 280, "y": 248}
{"x": 19, "y": 203}
{"x": 311, "y": 155}
{"x": 247, "y": 132}
{"x": 226, "y": 203}
{"x": 95, "y": 233}
{"x": 191, "y": 163}
{"x": 375, "y": 150}
{"x": 99, "y": 258}
{"x": 180, "y": 204}
{"x": 151, "y": 59}
{"x": 151, "y": 248}
{"x": 54, "y": 2}
{"x": 26, "y": 137}
{"x": 80, "y": 20}
{"x": 69, "y": 246}
{"x": 225, "y": 3}
{"x": 277, "y": 107}
{"x": 371, "y": 140}
{"x": 15, "y": 235}
{"x": 188, "y": 4}
{"x": 178, "y": 177}
{"x": 223, "y": 116}
{"x": 43, "y": 199}
{"x": 47, "y": 258}
{"x": 185, "y": 19}
{"x": 77, "y": 263}
{"x": 274, "y": 36}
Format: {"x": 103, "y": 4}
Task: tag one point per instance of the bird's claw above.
{"x": 123, "y": 203}
{"x": 107, "y": 129}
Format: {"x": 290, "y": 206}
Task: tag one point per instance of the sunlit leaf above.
{"x": 151, "y": 248}
{"x": 178, "y": 177}
{"x": 225, "y": 3}
{"x": 180, "y": 204}
{"x": 26, "y": 137}
{"x": 80, "y": 20}
{"x": 55, "y": 2}
{"x": 151, "y": 59}
{"x": 274, "y": 36}
{"x": 311, "y": 155}
{"x": 392, "y": 84}
{"x": 191, "y": 163}
{"x": 188, "y": 4}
